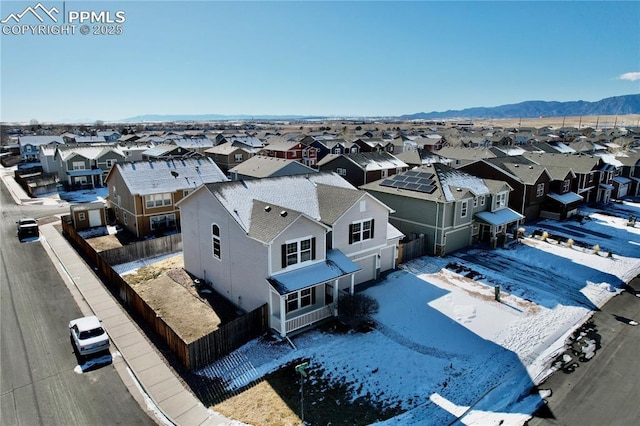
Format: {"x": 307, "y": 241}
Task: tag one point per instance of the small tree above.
{"x": 570, "y": 242}
{"x": 355, "y": 310}
{"x": 596, "y": 249}
{"x": 544, "y": 236}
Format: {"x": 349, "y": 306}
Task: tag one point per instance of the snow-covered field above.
{"x": 444, "y": 348}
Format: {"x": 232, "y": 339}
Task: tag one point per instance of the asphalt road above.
{"x": 38, "y": 383}
{"x": 603, "y": 391}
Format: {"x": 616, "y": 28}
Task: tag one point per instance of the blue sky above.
{"x": 318, "y": 58}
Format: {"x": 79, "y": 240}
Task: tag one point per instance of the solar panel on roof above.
{"x": 412, "y": 186}
{"x": 411, "y": 179}
{"x": 411, "y": 173}
{"x": 388, "y": 182}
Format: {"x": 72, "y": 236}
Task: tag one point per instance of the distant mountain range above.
{"x": 617, "y": 105}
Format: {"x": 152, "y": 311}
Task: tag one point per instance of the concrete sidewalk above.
{"x": 149, "y": 379}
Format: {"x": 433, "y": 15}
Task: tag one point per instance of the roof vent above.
{"x": 283, "y": 213}
{"x": 174, "y": 173}
{"x": 459, "y": 189}
{"x": 531, "y": 167}
{"x": 267, "y": 208}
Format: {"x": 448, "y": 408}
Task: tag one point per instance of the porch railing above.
{"x": 308, "y": 318}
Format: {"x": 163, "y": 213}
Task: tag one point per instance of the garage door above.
{"x": 94, "y": 218}
{"x": 368, "y": 271}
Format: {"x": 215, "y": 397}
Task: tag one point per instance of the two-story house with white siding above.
{"x": 292, "y": 242}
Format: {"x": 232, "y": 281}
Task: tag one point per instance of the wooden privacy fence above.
{"x": 199, "y": 353}
{"x": 143, "y": 249}
{"x": 412, "y": 249}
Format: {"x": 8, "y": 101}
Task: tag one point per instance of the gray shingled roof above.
{"x": 261, "y": 166}
{"x": 153, "y": 177}
{"x": 296, "y": 194}
{"x": 267, "y": 222}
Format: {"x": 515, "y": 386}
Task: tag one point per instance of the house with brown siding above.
{"x": 143, "y": 195}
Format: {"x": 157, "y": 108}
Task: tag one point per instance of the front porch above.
{"x": 494, "y": 225}
{"x": 305, "y": 296}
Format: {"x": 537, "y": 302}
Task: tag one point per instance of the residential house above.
{"x": 133, "y": 150}
{"x": 193, "y": 144}
{"x": 561, "y": 202}
{"x": 109, "y": 136}
{"x": 363, "y": 167}
{"x": 167, "y": 151}
{"x": 585, "y": 168}
{"x": 81, "y": 166}
{"x": 143, "y": 195}
{"x": 460, "y": 155}
{"x": 450, "y": 208}
{"x": 418, "y": 157}
{"x": 331, "y": 146}
{"x": 291, "y": 150}
{"x": 530, "y": 181}
{"x": 630, "y": 169}
{"x": 30, "y": 145}
{"x": 88, "y": 140}
{"x": 228, "y": 156}
{"x": 374, "y": 145}
{"x": 46, "y": 155}
{"x": 260, "y": 166}
{"x": 251, "y": 144}
{"x": 295, "y": 243}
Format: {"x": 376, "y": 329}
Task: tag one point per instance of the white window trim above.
{"x": 540, "y": 190}
{"x": 501, "y": 200}
{"x": 464, "y": 208}
{"x": 298, "y": 242}
{"x": 214, "y": 239}
{"x": 362, "y": 230}
{"x": 165, "y": 216}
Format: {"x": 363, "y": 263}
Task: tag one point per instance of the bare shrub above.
{"x": 355, "y": 310}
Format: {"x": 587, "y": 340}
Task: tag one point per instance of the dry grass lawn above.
{"x": 166, "y": 287}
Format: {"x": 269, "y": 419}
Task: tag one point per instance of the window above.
{"x": 237, "y": 158}
{"x": 501, "y": 200}
{"x": 110, "y": 163}
{"x": 157, "y": 200}
{"x": 301, "y": 299}
{"x": 363, "y": 206}
{"x": 341, "y": 171}
{"x": 475, "y": 202}
{"x": 482, "y": 200}
{"x": 163, "y": 222}
{"x": 187, "y": 192}
{"x": 81, "y": 216}
{"x": 337, "y": 150}
{"x": 361, "y": 231}
{"x": 79, "y": 165}
{"x": 354, "y": 149}
{"x": 215, "y": 239}
{"x": 565, "y": 186}
{"x": 464, "y": 209}
{"x": 298, "y": 251}
{"x": 384, "y": 173}
{"x": 540, "y": 190}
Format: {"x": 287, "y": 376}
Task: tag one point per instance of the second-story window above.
{"x": 237, "y": 158}
{"x": 157, "y": 200}
{"x": 501, "y": 200}
{"x": 464, "y": 209}
{"x": 565, "y": 185}
{"x": 361, "y": 231}
{"x": 540, "y": 190}
{"x": 298, "y": 251}
{"x": 79, "y": 165}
